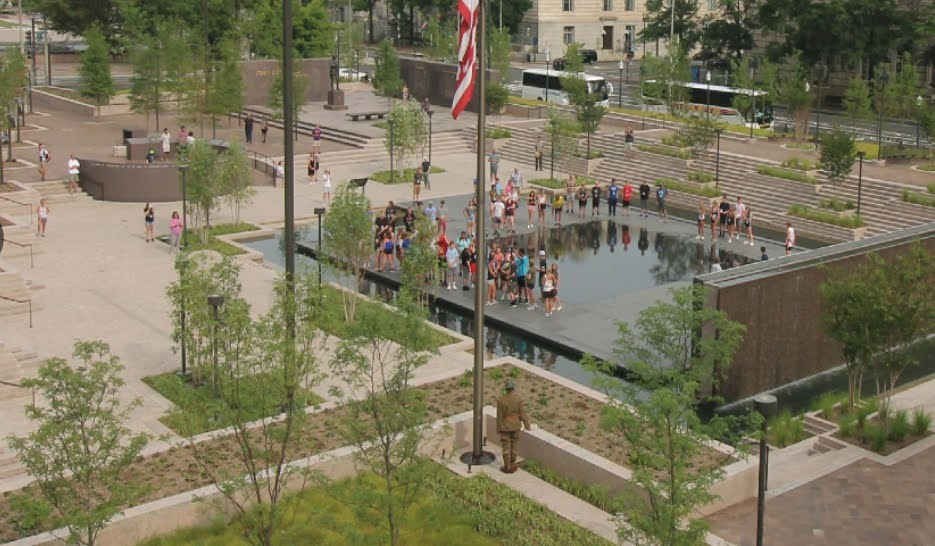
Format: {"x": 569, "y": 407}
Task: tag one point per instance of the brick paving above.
{"x": 863, "y": 504}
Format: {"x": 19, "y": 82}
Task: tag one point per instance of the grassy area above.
{"x": 800, "y": 164}
{"x": 339, "y": 514}
{"x": 555, "y": 184}
{"x": 198, "y": 410}
{"x": 785, "y": 429}
{"x": 800, "y": 146}
{"x": 382, "y": 124}
{"x": 193, "y": 238}
{"x": 786, "y": 174}
{"x": 801, "y": 211}
{"x": 836, "y": 205}
{"x": 595, "y": 495}
{"x": 702, "y": 177}
{"x": 331, "y": 320}
{"x": 495, "y": 133}
{"x": 595, "y": 154}
{"x": 918, "y": 198}
{"x": 405, "y": 177}
{"x": 928, "y": 167}
{"x": 870, "y": 149}
{"x": 664, "y": 150}
{"x": 703, "y": 191}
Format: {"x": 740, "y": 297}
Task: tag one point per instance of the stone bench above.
{"x": 366, "y": 115}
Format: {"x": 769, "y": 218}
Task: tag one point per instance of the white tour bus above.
{"x": 719, "y": 100}
{"x": 546, "y": 85}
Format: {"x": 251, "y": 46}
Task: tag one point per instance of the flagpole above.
{"x": 477, "y": 454}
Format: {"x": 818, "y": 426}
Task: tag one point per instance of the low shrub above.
{"x": 665, "y": 150}
{"x": 703, "y": 191}
{"x": 801, "y": 211}
{"x": 778, "y": 172}
{"x": 496, "y": 133}
{"x": 801, "y": 164}
{"x": 556, "y": 184}
{"x": 677, "y": 140}
{"x": 836, "y": 204}
{"x": 926, "y": 167}
{"x": 848, "y": 425}
{"x": 827, "y": 403}
{"x": 701, "y": 176}
{"x": 876, "y": 436}
{"x": 800, "y": 146}
{"x": 918, "y": 199}
{"x": 785, "y": 429}
{"x": 595, "y": 495}
{"x": 930, "y": 188}
{"x": 595, "y": 154}
{"x": 401, "y": 177}
{"x": 899, "y": 426}
{"x": 921, "y": 421}
{"x": 193, "y": 238}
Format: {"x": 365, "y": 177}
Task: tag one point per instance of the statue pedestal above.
{"x": 335, "y": 100}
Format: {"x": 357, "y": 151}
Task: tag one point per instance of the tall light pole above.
{"x": 707, "y": 78}
{"x": 288, "y": 128}
{"x": 822, "y": 72}
{"x": 765, "y": 405}
{"x": 884, "y": 79}
{"x": 752, "y": 96}
{"x": 319, "y": 211}
{"x": 919, "y": 101}
{"x": 860, "y": 177}
{"x": 548, "y": 64}
{"x": 183, "y": 170}
{"x": 717, "y": 160}
{"x": 477, "y": 455}
{"x": 620, "y": 89}
{"x": 429, "y": 112}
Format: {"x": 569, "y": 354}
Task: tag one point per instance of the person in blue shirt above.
{"x": 661, "y": 194}
{"x": 613, "y": 192}
{"x": 522, "y": 280}
{"x": 431, "y": 212}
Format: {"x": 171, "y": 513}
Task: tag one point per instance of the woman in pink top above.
{"x": 175, "y": 231}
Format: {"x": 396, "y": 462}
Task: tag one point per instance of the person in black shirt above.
{"x": 409, "y": 220}
{"x": 644, "y": 199}
{"x": 643, "y": 243}
{"x": 725, "y": 213}
{"x": 596, "y": 199}
{"x": 426, "y": 168}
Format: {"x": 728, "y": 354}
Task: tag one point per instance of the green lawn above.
{"x": 702, "y": 191}
{"x": 404, "y": 177}
{"x": 801, "y": 211}
{"x": 555, "y": 184}
{"x": 198, "y": 410}
{"x": 918, "y": 198}
{"x": 451, "y": 511}
{"x": 193, "y": 238}
{"x": 778, "y": 172}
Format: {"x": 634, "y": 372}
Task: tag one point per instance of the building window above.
{"x": 609, "y": 5}
{"x": 629, "y": 5}
{"x": 568, "y": 35}
{"x": 712, "y": 5}
{"x": 568, "y": 5}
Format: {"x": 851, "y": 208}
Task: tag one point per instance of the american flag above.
{"x": 467, "y": 56}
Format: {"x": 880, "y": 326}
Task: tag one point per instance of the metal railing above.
{"x": 27, "y": 205}
{"x": 23, "y": 245}
{"x": 14, "y": 300}
{"x": 18, "y": 386}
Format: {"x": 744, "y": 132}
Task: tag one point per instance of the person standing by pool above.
{"x": 627, "y": 196}
{"x": 748, "y": 224}
{"x": 431, "y": 213}
{"x": 661, "y": 194}
{"x": 530, "y": 208}
{"x": 558, "y": 302}
{"x": 713, "y": 218}
{"x": 541, "y": 203}
{"x": 416, "y": 184}
{"x": 596, "y": 199}
{"x": 613, "y": 191}
{"x": 548, "y": 293}
{"x": 492, "y": 271}
{"x": 582, "y": 200}
{"x": 701, "y": 218}
{"x": 522, "y": 281}
{"x": 442, "y": 223}
{"x": 510, "y": 213}
{"x": 570, "y": 185}
{"x": 452, "y": 259}
{"x": 497, "y": 208}
{"x": 470, "y": 213}
{"x": 494, "y": 159}
{"x": 644, "y": 199}
{"x": 558, "y": 206}
{"x": 74, "y": 167}
{"x": 723, "y": 213}
{"x": 538, "y": 153}
{"x": 790, "y": 238}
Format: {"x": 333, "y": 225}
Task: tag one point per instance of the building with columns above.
{"x": 610, "y": 27}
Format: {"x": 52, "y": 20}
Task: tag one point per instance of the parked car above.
{"x": 589, "y": 56}
{"x": 353, "y": 75}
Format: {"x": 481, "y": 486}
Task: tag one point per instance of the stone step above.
{"x": 826, "y": 444}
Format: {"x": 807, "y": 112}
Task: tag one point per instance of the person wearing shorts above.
{"x": 713, "y": 218}
{"x": 492, "y": 272}
{"x": 723, "y": 213}
{"x": 644, "y": 199}
{"x": 510, "y": 212}
{"x": 542, "y": 206}
{"x": 496, "y": 213}
{"x": 316, "y": 138}
{"x": 790, "y": 238}
{"x": 596, "y": 199}
{"x": 661, "y": 194}
{"x": 627, "y": 196}
{"x": 494, "y": 160}
{"x": 628, "y": 142}
{"x": 731, "y": 224}
{"x": 582, "y": 200}
{"x": 530, "y": 208}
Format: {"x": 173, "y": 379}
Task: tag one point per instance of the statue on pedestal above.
{"x": 334, "y": 72}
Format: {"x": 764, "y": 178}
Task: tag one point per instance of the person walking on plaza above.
{"x": 248, "y": 128}
{"x": 166, "y": 139}
{"x": 326, "y": 187}
{"x": 44, "y": 158}
{"x": 426, "y": 170}
{"x": 628, "y": 142}
{"x": 175, "y": 231}
{"x": 316, "y": 138}
{"x": 511, "y": 418}
{"x": 74, "y": 168}
{"x": 790, "y": 238}
{"x": 494, "y": 159}
{"x": 149, "y": 219}
{"x": 42, "y": 218}
{"x": 417, "y": 184}
{"x": 264, "y": 129}
{"x": 644, "y": 199}
{"x": 538, "y": 153}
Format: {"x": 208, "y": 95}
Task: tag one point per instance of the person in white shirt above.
{"x": 166, "y": 139}
{"x": 496, "y": 212}
{"x": 326, "y": 187}
{"x": 73, "y": 169}
{"x": 790, "y": 238}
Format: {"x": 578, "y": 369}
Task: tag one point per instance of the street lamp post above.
{"x": 216, "y": 301}
{"x": 919, "y": 101}
{"x": 752, "y": 96}
{"x": 765, "y": 405}
{"x": 10, "y": 122}
{"x": 884, "y": 78}
{"x": 860, "y": 177}
{"x": 808, "y": 89}
{"x": 318, "y": 212}
{"x": 430, "y": 113}
{"x": 717, "y": 160}
{"x": 822, "y": 74}
{"x": 707, "y": 78}
{"x": 620, "y": 89}
{"x": 183, "y": 170}
{"x": 548, "y": 63}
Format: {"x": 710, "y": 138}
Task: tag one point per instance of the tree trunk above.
{"x": 370, "y": 20}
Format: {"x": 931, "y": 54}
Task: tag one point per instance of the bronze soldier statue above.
{"x": 511, "y": 418}
{"x": 335, "y": 73}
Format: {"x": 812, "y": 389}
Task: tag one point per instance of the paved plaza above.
{"x": 95, "y": 277}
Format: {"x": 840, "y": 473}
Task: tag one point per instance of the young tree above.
{"x": 81, "y": 449}
{"x": 662, "y": 77}
{"x": 386, "y": 417}
{"x": 12, "y": 79}
{"x": 682, "y": 348}
{"x": 226, "y": 92}
{"x": 347, "y": 242}
{"x": 561, "y": 135}
{"x": 204, "y": 184}
{"x": 386, "y": 78}
{"x": 420, "y": 261}
{"x": 270, "y": 368}
{"x": 442, "y": 41}
{"x": 792, "y": 91}
{"x": 588, "y": 109}
{"x": 659, "y": 23}
{"x": 96, "y": 82}
{"x": 409, "y": 131}
{"x": 234, "y": 172}
{"x": 700, "y": 132}
{"x": 856, "y": 100}
{"x": 838, "y": 153}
